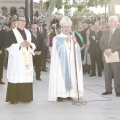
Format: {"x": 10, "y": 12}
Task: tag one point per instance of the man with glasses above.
{"x": 20, "y": 66}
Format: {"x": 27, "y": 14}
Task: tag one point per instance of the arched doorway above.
{"x": 5, "y": 10}
{"x": 13, "y": 11}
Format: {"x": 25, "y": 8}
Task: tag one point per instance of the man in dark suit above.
{"x": 110, "y": 43}
{"x": 37, "y": 59}
{"x": 43, "y": 32}
{"x": 94, "y": 49}
{"x": 2, "y": 52}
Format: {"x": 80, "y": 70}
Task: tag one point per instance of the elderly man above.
{"x": 38, "y": 40}
{"x": 66, "y": 77}
{"x": 110, "y": 43}
{"x": 20, "y": 65}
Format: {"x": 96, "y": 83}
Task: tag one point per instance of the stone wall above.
{"x": 15, "y": 5}
{"x": 111, "y": 7}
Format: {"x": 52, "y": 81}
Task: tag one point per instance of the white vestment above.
{"x": 57, "y": 87}
{"x": 20, "y": 65}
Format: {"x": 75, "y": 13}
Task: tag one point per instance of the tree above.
{"x": 51, "y": 4}
{"x": 49, "y": 11}
{"x": 92, "y": 3}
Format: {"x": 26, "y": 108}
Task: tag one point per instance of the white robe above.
{"x": 56, "y": 81}
{"x": 16, "y": 71}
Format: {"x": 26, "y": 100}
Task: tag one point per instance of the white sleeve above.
{"x": 14, "y": 49}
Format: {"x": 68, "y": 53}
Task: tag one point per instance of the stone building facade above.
{"x": 13, "y": 6}
{"x": 111, "y": 6}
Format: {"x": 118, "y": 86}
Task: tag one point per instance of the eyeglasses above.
{"x": 22, "y": 20}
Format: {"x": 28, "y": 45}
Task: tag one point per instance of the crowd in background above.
{"x": 85, "y": 26}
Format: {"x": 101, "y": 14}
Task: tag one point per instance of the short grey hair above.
{"x": 115, "y": 18}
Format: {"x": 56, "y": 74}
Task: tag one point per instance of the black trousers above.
{"x": 96, "y": 58}
{"x": 2, "y": 55}
{"x": 44, "y": 57}
{"x": 37, "y": 62}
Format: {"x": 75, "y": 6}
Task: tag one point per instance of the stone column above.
{"x": 0, "y": 12}
{"x": 41, "y": 7}
{"x": 8, "y": 10}
{"x": 27, "y": 11}
{"x": 111, "y": 8}
{"x": 31, "y": 10}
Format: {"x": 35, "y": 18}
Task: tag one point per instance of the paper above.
{"x": 113, "y": 58}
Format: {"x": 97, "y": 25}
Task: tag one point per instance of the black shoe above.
{"x": 1, "y": 82}
{"x": 106, "y": 93}
{"x": 39, "y": 79}
{"x": 44, "y": 70}
{"x": 13, "y": 102}
{"x": 92, "y": 75}
{"x": 59, "y": 99}
{"x": 69, "y": 98}
{"x": 99, "y": 75}
{"x": 118, "y": 94}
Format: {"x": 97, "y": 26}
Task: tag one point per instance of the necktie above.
{"x": 40, "y": 30}
{"x": 110, "y": 36}
{"x": 35, "y": 36}
{"x": 96, "y": 33}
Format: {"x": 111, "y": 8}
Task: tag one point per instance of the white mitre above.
{"x": 65, "y": 21}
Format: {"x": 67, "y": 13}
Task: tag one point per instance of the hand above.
{"x": 37, "y": 52}
{"x": 96, "y": 40}
{"x": 28, "y": 44}
{"x": 0, "y": 51}
{"x": 82, "y": 47}
{"x": 108, "y": 52}
{"x": 68, "y": 38}
{"x": 23, "y": 44}
{"x": 74, "y": 39}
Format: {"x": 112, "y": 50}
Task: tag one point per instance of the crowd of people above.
{"x": 76, "y": 46}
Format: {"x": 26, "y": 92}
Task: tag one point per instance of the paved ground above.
{"x": 41, "y": 109}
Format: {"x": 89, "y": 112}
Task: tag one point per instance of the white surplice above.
{"x": 56, "y": 80}
{"x": 17, "y": 72}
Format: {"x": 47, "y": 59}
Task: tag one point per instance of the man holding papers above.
{"x": 110, "y": 46}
